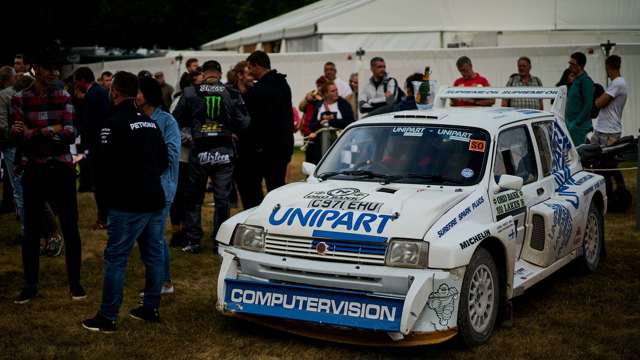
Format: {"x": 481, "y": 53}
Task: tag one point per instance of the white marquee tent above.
{"x": 346, "y": 25}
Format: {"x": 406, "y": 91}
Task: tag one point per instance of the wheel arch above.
{"x": 499, "y": 254}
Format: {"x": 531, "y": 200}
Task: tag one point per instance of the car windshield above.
{"x": 417, "y": 154}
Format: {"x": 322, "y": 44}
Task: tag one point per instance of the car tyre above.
{"x": 479, "y": 300}
{"x": 593, "y": 241}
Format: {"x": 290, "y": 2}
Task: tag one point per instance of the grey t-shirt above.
{"x": 610, "y": 116}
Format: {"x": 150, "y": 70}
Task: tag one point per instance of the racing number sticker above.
{"x": 477, "y": 145}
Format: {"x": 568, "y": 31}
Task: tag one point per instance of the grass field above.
{"x": 567, "y": 316}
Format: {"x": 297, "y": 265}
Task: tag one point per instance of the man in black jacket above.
{"x": 91, "y": 120}
{"x": 212, "y": 115}
{"x": 271, "y": 129}
{"x": 131, "y": 158}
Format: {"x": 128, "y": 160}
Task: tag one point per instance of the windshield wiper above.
{"x": 363, "y": 173}
{"x": 435, "y": 178}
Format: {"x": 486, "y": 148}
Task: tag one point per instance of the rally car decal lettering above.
{"x": 455, "y": 134}
{"x": 461, "y": 216}
{"x": 346, "y": 205}
{"x": 317, "y": 217}
{"x": 409, "y": 130}
{"x": 348, "y": 194}
{"x": 561, "y": 147}
{"x": 508, "y": 203}
{"x": 474, "y": 239}
{"x": 313, "y": 304}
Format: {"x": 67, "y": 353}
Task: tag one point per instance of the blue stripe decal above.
{"x": 347, "y": 236}
{"x": 353, "y": 247}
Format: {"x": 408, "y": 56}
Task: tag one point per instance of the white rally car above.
{"x": 417, "y": 226}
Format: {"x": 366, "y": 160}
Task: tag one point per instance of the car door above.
{"x": 515, "y": 155}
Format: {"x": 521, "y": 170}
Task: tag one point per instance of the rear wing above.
{"x": 558, "y": 94}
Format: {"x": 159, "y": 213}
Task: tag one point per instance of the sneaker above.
{"x": 100, "y": 323}
{"x": 55, "y": 246}
{"x": 26, "y": 295}
{"x": 145, "y": 313}
{"x": 167, "y": 289}
{"x": 77, "y": 292}
{"x": 192, "y": 248}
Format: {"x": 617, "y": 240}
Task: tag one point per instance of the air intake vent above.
{"x": 387, "y": 190}
{"x": 412, "y": 116}
{"x": 537, "y": 235}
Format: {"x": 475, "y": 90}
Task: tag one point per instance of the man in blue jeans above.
{"x": 131, "y": 158}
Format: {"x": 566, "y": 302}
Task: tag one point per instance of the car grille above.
{"x": 356, "y": 252}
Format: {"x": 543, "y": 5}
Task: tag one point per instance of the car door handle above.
{"x": 540, "y": 191}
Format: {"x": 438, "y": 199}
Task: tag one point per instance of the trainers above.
{"x": 167, "y": 289}
{"x": 26, "y": 295}
{"x": 55, "y": 246}
{"x": 145, "y": 313}
{"x": 77, "y": 292}
{"x": 192, "y": 248}
{"x": 99, "y": 323}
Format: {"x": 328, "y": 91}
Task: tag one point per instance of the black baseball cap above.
{"x": 211, "y": 65}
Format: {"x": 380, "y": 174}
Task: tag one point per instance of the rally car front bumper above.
{"x": 318, "y": 299}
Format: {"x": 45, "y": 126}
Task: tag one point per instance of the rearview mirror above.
{"x": 308, "y": 168}
{"x": 510, "y": 182}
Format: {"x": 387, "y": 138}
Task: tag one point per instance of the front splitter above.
{"x": 351, "y": 336}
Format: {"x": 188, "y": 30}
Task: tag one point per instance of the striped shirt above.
{"x": 516, "y": 81}
{"x": 52, "y": 111}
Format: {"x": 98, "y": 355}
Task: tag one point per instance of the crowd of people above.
{"x": 148, "y": 151}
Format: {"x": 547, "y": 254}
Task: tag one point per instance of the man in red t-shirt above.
{"x": 470, "y": 79}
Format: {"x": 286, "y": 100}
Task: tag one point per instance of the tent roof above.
{"x": 402, "y": 16}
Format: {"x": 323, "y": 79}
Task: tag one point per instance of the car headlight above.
{"x": 249, "y": 237}
{"x": 407, "y": 253}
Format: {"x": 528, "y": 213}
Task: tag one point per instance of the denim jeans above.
{"x": 166, "y": 254}
{"x": 9, "y": 155}
{"x": 124, "y": 228}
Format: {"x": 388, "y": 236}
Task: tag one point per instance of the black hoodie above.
{"x": 270, "y": 109}
{"x": 132, "y": 156}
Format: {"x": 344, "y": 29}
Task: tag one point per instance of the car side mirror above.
{"x": 510, "y": 182}
{"x": 308, "y": 168}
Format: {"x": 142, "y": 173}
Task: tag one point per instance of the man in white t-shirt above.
{"x": 609, "y": 122}
{"x": 330, "y": 73}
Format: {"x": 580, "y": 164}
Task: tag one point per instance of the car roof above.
{"x": 488, "y": 118}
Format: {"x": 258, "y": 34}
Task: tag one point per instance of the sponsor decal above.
{"x": 474, "y": 239}
{"x": 477, "y": 145}
{"x": 508, "y": 201}
{"x": 584, "y": 179}
{"x": 346, "y": 205}
{"x": 442, "y": 301}
{"x": 207, "y": 158}
{"x": 463, "y": 214}
{"x": 142, "y": 125}
{"x": 343, "y": 220}
{"x": 561, "y": 147}
{"x": 593, "y": 187}
{"x": 523, "y": 273}
{"x": 466, "y": 173}
{"x": 570, "y": 196}
{"x": 409, "y": 130}
{"x": 212, "y": 103}
{"x": 212, "y": 88}
{"x": 561, "y": 227}
{"x": 337, "y": 307}
{"x": 346, "y": 194}
{"x": 455, "y": 134}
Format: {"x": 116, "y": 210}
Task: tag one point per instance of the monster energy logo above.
{"x": 213, "y": 106}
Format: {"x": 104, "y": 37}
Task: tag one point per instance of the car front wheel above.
{"x": 593, "y": 242}
{"x": 479, "y": 299}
